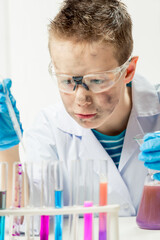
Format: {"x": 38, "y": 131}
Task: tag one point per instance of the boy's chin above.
{"x": 86, "y": 124}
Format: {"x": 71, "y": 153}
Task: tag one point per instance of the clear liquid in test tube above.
{"x": 75, "y": 179}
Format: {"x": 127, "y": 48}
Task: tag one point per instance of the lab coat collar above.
{"x": 130, "y": 145}
{"x": 145, "y": 104}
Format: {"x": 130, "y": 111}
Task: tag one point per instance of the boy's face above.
{"x": 90, "y": 110}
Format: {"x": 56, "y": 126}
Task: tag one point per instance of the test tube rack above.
{"x": 111, "y": 210}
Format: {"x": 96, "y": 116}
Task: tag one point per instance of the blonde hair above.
{"x": 104, "y": 21}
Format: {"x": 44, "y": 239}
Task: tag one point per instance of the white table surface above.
{"x": 128, "y": 230}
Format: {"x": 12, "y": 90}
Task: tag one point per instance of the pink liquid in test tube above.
{"x": 88, "y": 222}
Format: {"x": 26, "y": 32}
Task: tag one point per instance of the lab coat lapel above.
{"x": 145, "y": 103}
{"x": 94, "y": 150}
{"x": 130, "y": 145}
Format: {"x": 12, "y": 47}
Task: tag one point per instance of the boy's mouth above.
{"x": 85, "y": 116}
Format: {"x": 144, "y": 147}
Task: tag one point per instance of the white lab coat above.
{"x": 56, "y": 136}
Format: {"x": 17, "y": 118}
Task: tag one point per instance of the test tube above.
{"x": 18, "y": 201}
{"x": 34, "y": 174}
{"x": 3, "y": 192}
{"x": 89, "y": 188}
{"x": 44, "y": 225}
{"x": 58, "y": 195}
{"x": 74, "y": 198}
{"x": 40, "y": 195}
{"x": 103, "y": 183}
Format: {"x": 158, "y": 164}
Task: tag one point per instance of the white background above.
{"x": 24, "y": 48}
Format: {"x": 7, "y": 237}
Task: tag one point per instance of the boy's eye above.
{"x": 96, "y": 81}
{"x": 67, "y": 82}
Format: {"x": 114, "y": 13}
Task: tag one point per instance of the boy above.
{"x": 104, "y": 105}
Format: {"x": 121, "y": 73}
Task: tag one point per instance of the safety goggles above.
{"x": 97, "y": 82}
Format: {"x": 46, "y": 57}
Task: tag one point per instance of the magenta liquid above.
{"x": 88, "y": 222}
{"x": 148, "y": 216}
{"x": 44, "y": 231}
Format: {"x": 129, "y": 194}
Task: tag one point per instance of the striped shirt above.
{"x": 112, "y": 144}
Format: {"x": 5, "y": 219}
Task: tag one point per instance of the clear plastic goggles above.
{"x": 97, "y": 82}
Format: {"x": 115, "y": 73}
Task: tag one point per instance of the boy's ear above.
{"x": 131, "y": 70}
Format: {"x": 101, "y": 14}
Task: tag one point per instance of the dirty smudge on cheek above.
{"x": 108, "y": 101}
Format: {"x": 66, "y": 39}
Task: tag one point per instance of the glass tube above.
{"x": 17, "y": 200}
{"x": 44, "y": 220}
{"x": 3, "y": 192}
{"x": 103, "y": 186}
{"x": 88, "y": 217}
{"x": 58, "y": 195}
{"x": 44, "y": 229}
{"x": 32, "y": 168}
{"x": 74, "y": 198}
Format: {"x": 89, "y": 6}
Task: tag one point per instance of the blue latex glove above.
{"x": 8, "y": 136}
{"x": 150, "y": 152}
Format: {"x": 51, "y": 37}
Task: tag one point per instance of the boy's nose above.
{"x": 82, "y": 96}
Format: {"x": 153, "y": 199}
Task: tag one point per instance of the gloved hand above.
{"x": 8, "y": 136}
{"x": 150, "y": 152}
